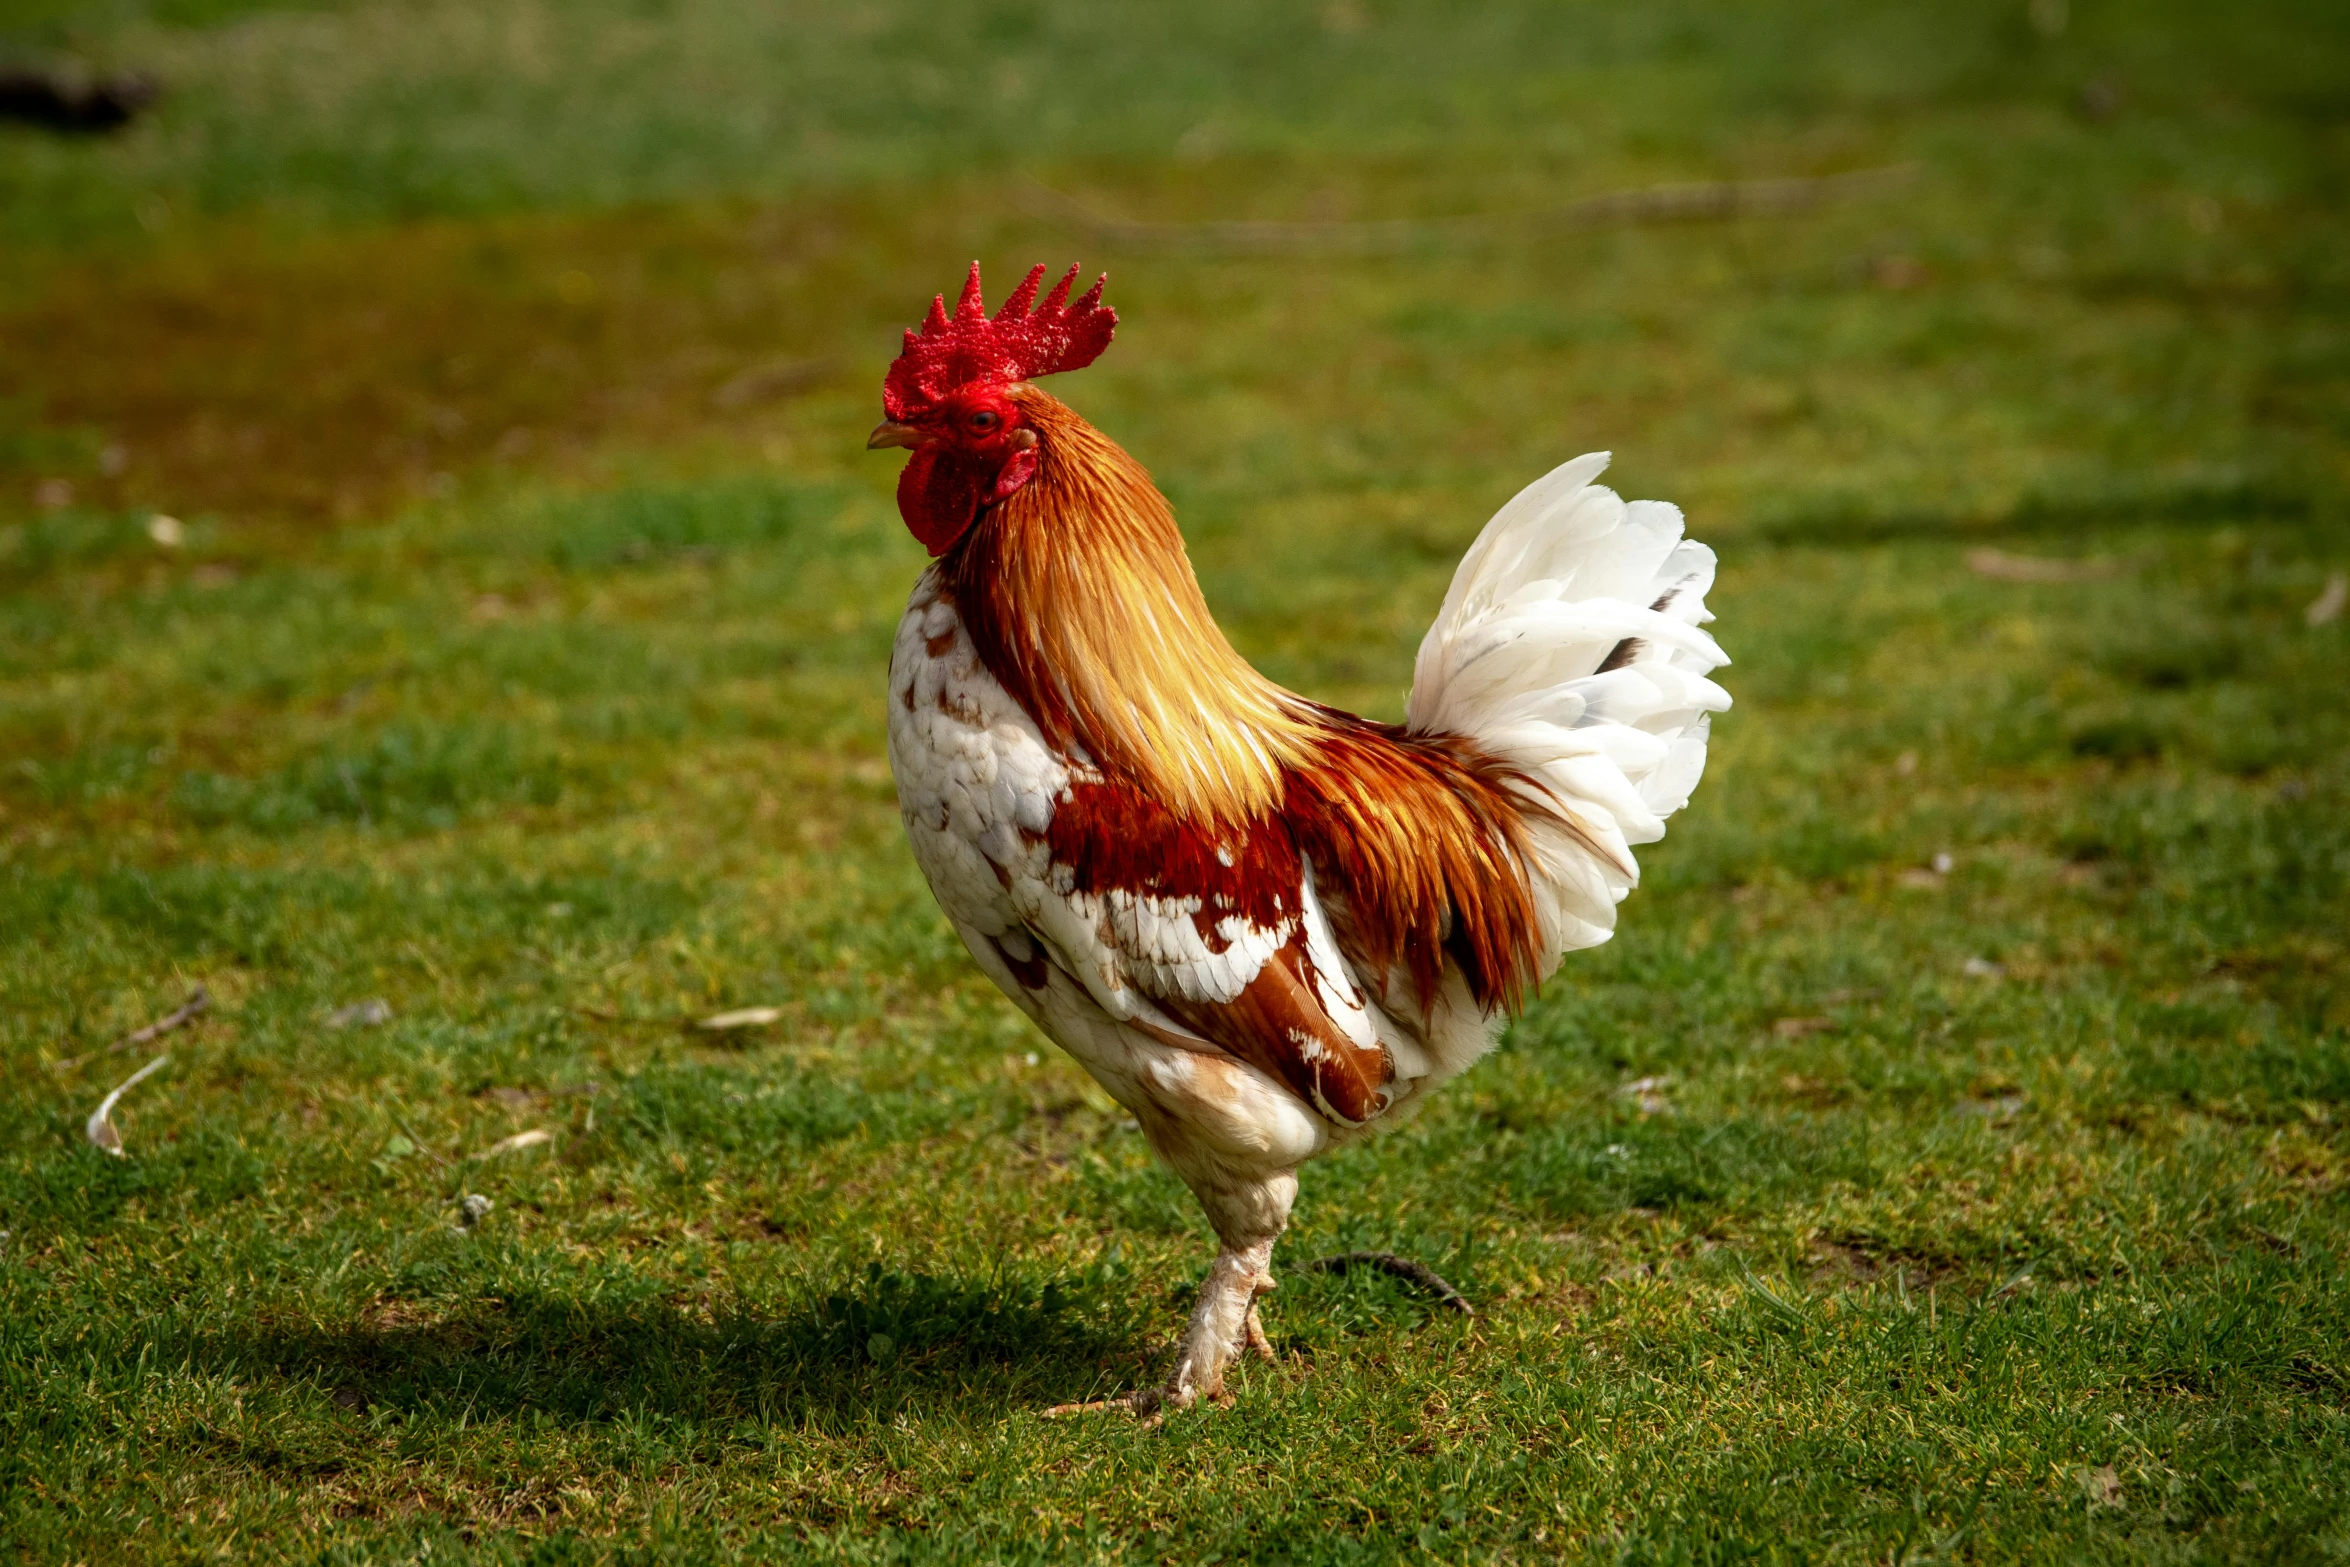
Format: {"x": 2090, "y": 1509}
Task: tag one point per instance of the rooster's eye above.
{"x": 982, "y": 420}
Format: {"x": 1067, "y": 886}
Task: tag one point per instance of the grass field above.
{"x": 520, "y": 662}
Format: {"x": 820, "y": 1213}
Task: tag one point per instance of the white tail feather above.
{"x": 1565, "y": 578}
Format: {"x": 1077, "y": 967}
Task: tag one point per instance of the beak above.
{"x": 891, "y": 433}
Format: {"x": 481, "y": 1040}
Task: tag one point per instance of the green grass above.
{"x": 515, "y": 671}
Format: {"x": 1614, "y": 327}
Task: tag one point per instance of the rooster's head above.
{"x": 953, "y": 397}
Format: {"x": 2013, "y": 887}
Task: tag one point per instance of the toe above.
{"x": 1258, "y": 1344}
{"x": 1145, "y": 1402}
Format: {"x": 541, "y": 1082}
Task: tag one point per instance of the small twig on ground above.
{"x": 607, "y": 1015}
{"x": 1646, "y": 204}
{"x": 2003, "y": 567}
{"x": 99, "y": 1128}
{"x": 519, "y": 1141}
{"x": 1401, "y": 1267}
{"x": 2328, "y": 604}
{"x": 741, "y": 1017}
{"x": 199, "y": 1001}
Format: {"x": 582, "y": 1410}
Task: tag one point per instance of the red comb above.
{"x": 948, "y": 352}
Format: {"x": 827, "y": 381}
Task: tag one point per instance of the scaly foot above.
{"x": 1223, "y": 1324}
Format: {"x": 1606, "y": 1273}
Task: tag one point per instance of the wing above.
{"x": 1204, "y": 942}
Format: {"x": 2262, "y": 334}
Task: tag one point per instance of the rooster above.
{"x": 1266, "y": 927}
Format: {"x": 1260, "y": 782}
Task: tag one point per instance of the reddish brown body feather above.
{"x": 1272, "y": 1024}
{"x": 1111, "y": 835}
{"x": 1419, "y": 841}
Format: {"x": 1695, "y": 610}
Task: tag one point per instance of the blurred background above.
{"x": 352, "y": 252}
{"x": 444, "y": 605}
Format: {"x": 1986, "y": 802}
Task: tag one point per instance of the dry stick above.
{"x": 1647, "y": 204}
{"x": 199, "y": 1001}
{"x": 606, "y": 1015}
{"x": 2003, "y": 567}
{"x": 1403, "y": 1268}
{"x": 99, "y": 1128}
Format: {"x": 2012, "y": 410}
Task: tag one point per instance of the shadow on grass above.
{"x": 897, "y": 1344}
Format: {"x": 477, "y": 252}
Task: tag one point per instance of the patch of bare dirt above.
{"x": 249, "y": 374}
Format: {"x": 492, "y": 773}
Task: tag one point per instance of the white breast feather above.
{"x": 977, "y": 786}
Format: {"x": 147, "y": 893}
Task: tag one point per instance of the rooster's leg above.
{"x": 1224, "y": 1318}
{"x": 1219, "y": 1324}
{"x": 1223, "y": 1322}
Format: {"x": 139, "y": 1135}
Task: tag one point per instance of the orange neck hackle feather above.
{"x": 1084, "y": 602}
{"x": 1079, "y": 597}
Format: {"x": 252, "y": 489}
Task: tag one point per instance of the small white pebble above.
{"x": 1030, "y": 1058}
{"x": 169, "y": 532}
{"x": 1942, "y": 864}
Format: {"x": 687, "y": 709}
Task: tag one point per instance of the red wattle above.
{"x": 939, "y": 499}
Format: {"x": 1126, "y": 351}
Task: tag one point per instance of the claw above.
{"x": 1148, "y": 1404}
{"x": 1258, "y": 1345}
